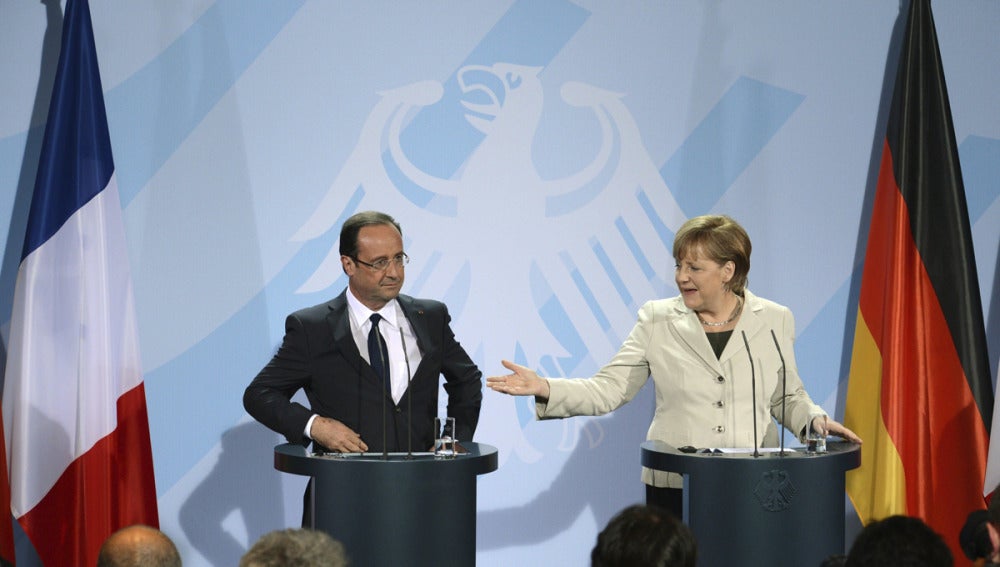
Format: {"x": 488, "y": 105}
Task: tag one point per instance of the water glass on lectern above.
{"x": 815, "y": 441}
{"x": 444, "y": 438}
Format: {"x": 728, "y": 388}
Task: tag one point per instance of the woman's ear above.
{"x": 728, "y": 269}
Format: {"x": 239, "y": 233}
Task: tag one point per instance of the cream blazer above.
{"x": 701, "y": 400}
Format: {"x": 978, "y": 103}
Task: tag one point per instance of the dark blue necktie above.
{"x": 378, "y": 353}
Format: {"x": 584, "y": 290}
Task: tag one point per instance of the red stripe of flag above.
{"x": 105, "y": 489}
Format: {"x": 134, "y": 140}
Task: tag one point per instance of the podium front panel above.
{"x": 769, "y": 510}
{"x": 399, "y": 510}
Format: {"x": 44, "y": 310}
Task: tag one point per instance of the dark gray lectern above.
{"x": 767, "y": 511}
{"x": 401, "y": 510}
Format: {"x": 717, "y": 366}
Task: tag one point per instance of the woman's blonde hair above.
{"x": 721, "y": 239}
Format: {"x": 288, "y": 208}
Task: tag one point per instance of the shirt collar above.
{"x": 362, "y": 313}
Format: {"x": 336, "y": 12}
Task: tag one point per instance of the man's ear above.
{"x": 348, "y": 265}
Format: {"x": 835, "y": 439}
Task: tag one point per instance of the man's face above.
{"x": 374, "y": 288}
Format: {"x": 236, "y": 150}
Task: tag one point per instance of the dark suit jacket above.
{"x": 319, "y": 355}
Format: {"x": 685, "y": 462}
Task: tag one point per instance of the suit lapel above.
{"x": 340, "y": 329}
{"x": 417, "y": 318}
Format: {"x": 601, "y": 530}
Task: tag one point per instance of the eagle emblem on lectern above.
{"x": 775, "y": 491}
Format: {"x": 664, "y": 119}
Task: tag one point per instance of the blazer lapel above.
{"x": 750, "y": 324}
{"x": 690, "y": 332}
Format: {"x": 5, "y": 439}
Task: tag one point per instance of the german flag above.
{"x": 919, "y": 393}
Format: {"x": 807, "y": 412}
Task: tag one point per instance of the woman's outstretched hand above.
{"x": 523, "y": 382}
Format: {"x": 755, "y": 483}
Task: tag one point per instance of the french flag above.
{"x": 74, "y": 409}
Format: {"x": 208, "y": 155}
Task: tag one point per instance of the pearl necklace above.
{"x": 732, "y": 316}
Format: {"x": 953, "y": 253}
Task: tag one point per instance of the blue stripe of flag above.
{"x": 75, "y": 163}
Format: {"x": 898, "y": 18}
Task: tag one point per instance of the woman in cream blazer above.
{"x": 692, "y": 346}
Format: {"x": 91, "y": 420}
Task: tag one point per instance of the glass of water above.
{"x": 444, "y": 438}
{"x": 816, "y": 440}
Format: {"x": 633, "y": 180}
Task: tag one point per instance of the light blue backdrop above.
{"x": 539, "y": 203}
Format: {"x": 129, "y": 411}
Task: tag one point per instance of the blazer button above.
{"x": 720, "y": 429}
{"x": 720, "y": 379}
{"x": 719, "y": 404}
{"x": 399, "y": 410}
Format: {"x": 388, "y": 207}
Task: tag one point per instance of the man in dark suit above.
{"x": 369, "y": 360}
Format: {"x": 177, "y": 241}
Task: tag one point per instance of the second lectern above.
{"x": 769, "y": 510}
{"x": 396, "y": 509}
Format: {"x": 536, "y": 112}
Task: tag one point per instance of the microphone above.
{"x": 409, "y": 398}
{"x": 783, "y": 382}
{"x": 753, "y": 393}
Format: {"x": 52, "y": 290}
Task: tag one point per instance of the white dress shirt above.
{"x": 400, "y": 341}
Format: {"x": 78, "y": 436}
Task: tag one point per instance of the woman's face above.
{"x": 702, "y": 281}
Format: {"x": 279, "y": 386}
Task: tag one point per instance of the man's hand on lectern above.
{"x": 336, "y": 436}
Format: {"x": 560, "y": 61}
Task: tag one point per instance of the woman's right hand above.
{"x": 523, "y": 382}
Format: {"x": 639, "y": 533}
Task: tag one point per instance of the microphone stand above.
{"x": 409, "y": 398}
{"x": 783, "y": 386}
{"x": 753, "y": 393}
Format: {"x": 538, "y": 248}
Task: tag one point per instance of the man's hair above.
{"x": 899, "y": 541}
{"x": 974, "y": 537}
{"x": 994, "y": 507}
{"x": 138, "y": 546}
{"x": 644, "y": 536}
{"x": 301, "y": 547}
{"x": 352, "y": 226}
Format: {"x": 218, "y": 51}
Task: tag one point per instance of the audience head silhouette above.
{"x": 899, "y": 541}
{"x": 644, "y": 536}
{"x": 301, "y": 547}
{"x": 138, "y": 546}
